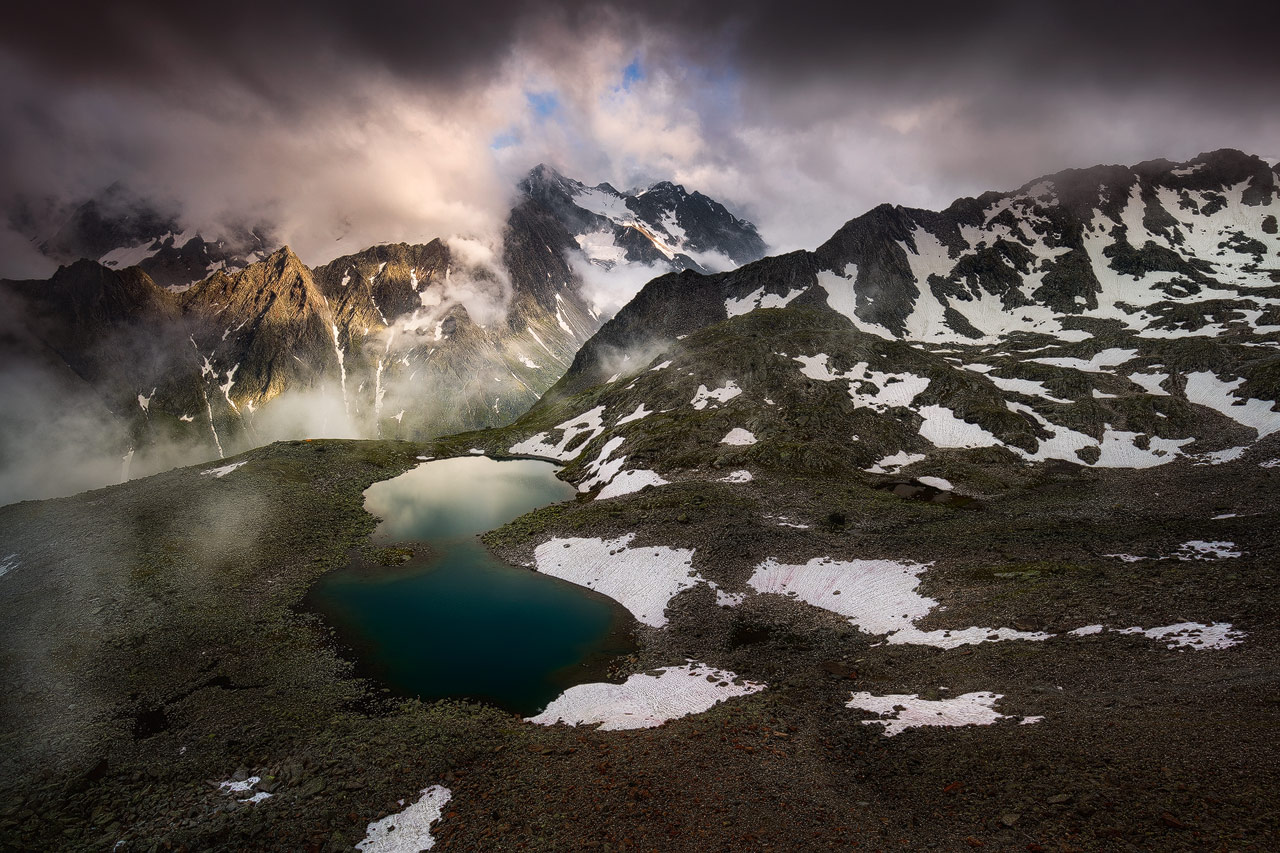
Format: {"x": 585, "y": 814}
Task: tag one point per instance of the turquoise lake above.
{"x": 458, "y": 622}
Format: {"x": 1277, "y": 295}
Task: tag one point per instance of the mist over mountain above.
{"x": 191, "y": 349}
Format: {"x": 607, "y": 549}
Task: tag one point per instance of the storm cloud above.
{"x": 351, "y": 124}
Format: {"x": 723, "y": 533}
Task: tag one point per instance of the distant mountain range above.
{"x": 1112, "y": 316}
{"x": 398, "y": 340}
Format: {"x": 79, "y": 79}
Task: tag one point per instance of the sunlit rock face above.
{"x": 167, "y": 348}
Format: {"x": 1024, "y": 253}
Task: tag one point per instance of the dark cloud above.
{"x": 381, "y": 114}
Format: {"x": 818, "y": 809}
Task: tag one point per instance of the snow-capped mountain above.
{"x": 120, "y": 230}
{"x": 1110, "y": 317}
{"x": 663, "y": 226}
{"x": 397, "y": 340}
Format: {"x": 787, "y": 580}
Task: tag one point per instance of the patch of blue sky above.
{"x": 632, "y": 74}
{"x": 506, "y": 139}
{"x": 543, "y": 104}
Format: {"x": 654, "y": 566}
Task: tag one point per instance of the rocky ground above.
{"x": 153, "y": 648}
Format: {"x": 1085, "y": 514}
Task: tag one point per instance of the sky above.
{"x": 347, "y": 124}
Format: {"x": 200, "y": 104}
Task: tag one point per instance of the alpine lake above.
{"x": 453, "y": 621}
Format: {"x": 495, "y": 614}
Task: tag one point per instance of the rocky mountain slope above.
{"x": 1107, "y": 317}
{"x": 396, "y": 340}
{"x": 662, "y": 226}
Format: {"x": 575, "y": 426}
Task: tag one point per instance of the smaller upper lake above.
{"x": 457, "y": 622}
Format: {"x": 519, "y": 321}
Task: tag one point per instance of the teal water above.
{"x": 458, "y": 622}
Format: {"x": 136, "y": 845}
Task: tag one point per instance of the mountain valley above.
{"x": 957, "y": 532}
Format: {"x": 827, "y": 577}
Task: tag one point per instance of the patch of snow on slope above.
{"x": 410, "y": 830}
{"x": 1107, "y": 358}
{"x": 224, "y": 470}
{"x": 641, "y": 579}
{"x": 720, "y": 395}
{"x": 895, "y": 462}
{"x": 878, "y": 596}
{"x": 600, "y": 469}
{"x": 1025, "y": 386}
{"x": 1120, "y": 450}
{"x": 737, "y": 477}
{"x": 630, "y": 481}
{"x": 8, "y": 564}
{"x": 739, "y": 437}
{"x": 1219, "y": 457}
{"x": 937, "y": 482}
{"x": 944, "y": 429}
{"x": 645, "y": 701}
{"x": 663, "y": 366}
{"x": 1198, "y": 549}
{"x": 1193, "y": 635}
{"x": 540, "y": 444}
{"x": 1206, "y": 389}
{"x": 956, "y": 637}
{"x": 639, "y": 413}
{"x": 529, "y": 363}
{"x": 759, "y": 299}
{"x": 893, "y": 389}
{"x": 902, "y": 711}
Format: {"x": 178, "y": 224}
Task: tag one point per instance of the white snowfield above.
{"x": 1184, "y": 635}
{"x": 892, "y": 389}
{"x": 1192, "y": 635}
{"x": 232, "y": 787}
{"x": 1208, "y": 390}
{"x": 937, "y": 482}
{"x": 759, "y": 299}
{"x": 739, "y": 437}
{"x": 893, "y": 463}
{"x": 639, "y": 413}
{"x": 704, "y": 397}
{"x": 641, "y": 579}
{"x": 1196, "y": 549}
{"x": 8, "y": 564}
{"x": 878, "y": 596}
{"x": 627, "y": 482}
{"x": 566, "y": 448}
{"x": 410, "y": 830}
{"x": 881, "y": 597}
{"x": 901, "y": 711}
{"x": 223, "y": 471}
{"x": 741, "y": 476}
{"x": 645, "y": 701}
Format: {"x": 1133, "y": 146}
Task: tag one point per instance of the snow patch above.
{"x": 739, "y": 437}
{"x": 540, "y": 444}
{"x": 224, "y": 470}
{"x": 641, "y": 579}
{"x": 901, "y": 711}
{"x": 737, "y": 477}
{"x": 408, "y": 831}
{"x": 1193, "y": 635}
{"x": 645, "y": 701}
{"x": 719, "y": 395}
{"x": 639, "y": 413}
{"x": 630, "y": 481}
{"x": 1198, "y": 549}
{"x": 937, "y": 482}
{"x": 759, "y": 299}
